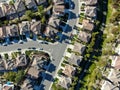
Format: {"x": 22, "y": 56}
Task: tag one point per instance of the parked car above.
{"x": 4, "y": 44}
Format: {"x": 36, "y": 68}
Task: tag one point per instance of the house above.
{"x": 65, "y": 82}
{"x": 35, "y": 27}
{"x": 41, "y": 2}
{"x": 27, "y": 85}
{"x": 68, "y": 70}
{"x": 8, "y": 9}
{"x": 2, "y": 14}
{"x": 19, "y": 6}
{"x": 91, "y": 2}
{"x": 87, "y": 25}
{"x": 75, "y": 60}
{"x": 34, "y": 73}
{"x": 21, "y": 60}
{"x": 30, "y": 4}
{"x": 2, "y": 32}
{"x": 14, "y": 30}
{"x": 2, "y": 66}
{"x": 40, "y": 61}
{"x": 59, "y": 10}
{"x": 8, "y": 86}
{"x": 78, "y": 47}
{"x": 59, "y": 1}
{"x": 10, "y": 64}
{"x": 83, "y": 36}
{"x": 24, "y": 27}
{"x": 117, "y": 62}
{"x": 91, "y": 12}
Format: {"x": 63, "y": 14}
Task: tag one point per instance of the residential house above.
{"x": 78, "y": 47}
{"x": 59, "y": 1}
{"x": 30, "y": 4}
{"x": 87, "y": 25}
{"x": 27, "y": 85}
{"x": 117, "y": 62}
{"x": 8, "y": 86}
{"x": 14, "y": 30}
{"x": 2, "y": 14}
{"x": 41, "y": 2}
{"x": 2, "y": 66}
{"x": 75, "y": 59}
{"x": 8, "y": 9}
{"x": 24, "y": 27}
{"x": 2, "y": 32}
{"x": 40, "y": 61}
{"x": 91, "y": 2}
{"x": 34, "y": 73}
{"x": 10, "y": 64}
{"x": 35, "y": 27}
{"x": 20, "y": 7}
{"x": 65, "y": 82}
{"x": 91, "y": 12}
{"x": 68, "y": 70}
{"x": 59, "y": 10}
{"x": 83, "y": 36}
{"x": 21, "y": 60}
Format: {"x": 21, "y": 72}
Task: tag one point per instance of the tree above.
{"x": 29, "y": 14}
{"x": 40, "y": 10}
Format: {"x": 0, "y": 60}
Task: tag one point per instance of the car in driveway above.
{"x": 4, "y": 44}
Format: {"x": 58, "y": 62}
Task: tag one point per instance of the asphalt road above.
{"x": 56, "y": 51}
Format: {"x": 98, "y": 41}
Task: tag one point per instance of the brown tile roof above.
{"x": 33, "y": 72}
{"x": 87, "y": 25}
{"x": 69, "y": 70}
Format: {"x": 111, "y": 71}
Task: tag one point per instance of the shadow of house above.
{"x": 52, "y": 68}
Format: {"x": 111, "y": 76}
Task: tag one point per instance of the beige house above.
{"x": 59, "y": 9}
{"x": 91, "y": 2}
{"x": 35, "y": 27}
{"x": 83, "y": 36}
{"x": 69, "y": 70}
{"x": 91, "y": 11}
{"x": 59, "y": 2}
{"x": 8, "y": 9}
{"x": 65, "y": 82}
{"x": 87, "y": 25}
{"x": 2, "y": 32}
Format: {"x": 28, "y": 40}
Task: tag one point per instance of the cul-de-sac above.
{"x": 59, "y": 44}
